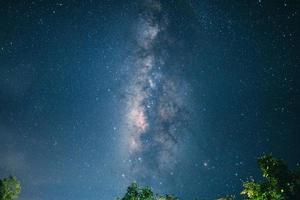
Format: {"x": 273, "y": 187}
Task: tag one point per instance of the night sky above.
{"x": 179, "y": 95}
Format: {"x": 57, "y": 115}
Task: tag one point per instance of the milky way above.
{"x": 156, "y": 101}
{"x": 180, "y": 95}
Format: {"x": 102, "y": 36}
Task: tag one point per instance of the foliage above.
{"x": 226, "y": 198}
{"x": 9, "y": 188}
{"x": 134, "y": 192}
{"x": 280, "y": 182}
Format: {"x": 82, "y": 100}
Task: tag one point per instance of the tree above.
{"x": 134, "y": 192}
{"x": 280, "y": 182}
{"x": 9, "y": 188}
{"x": 226, "y": 198}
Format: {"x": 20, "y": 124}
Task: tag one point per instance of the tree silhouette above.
{"x": 9, "y": 188}
{"x": 280, "y": 182}
{"x": 134, "y": 192}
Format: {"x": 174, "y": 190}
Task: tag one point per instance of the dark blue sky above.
{"x": 180, "y": 95}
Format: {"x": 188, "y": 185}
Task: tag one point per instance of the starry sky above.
{"x": 179, "y": 95}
